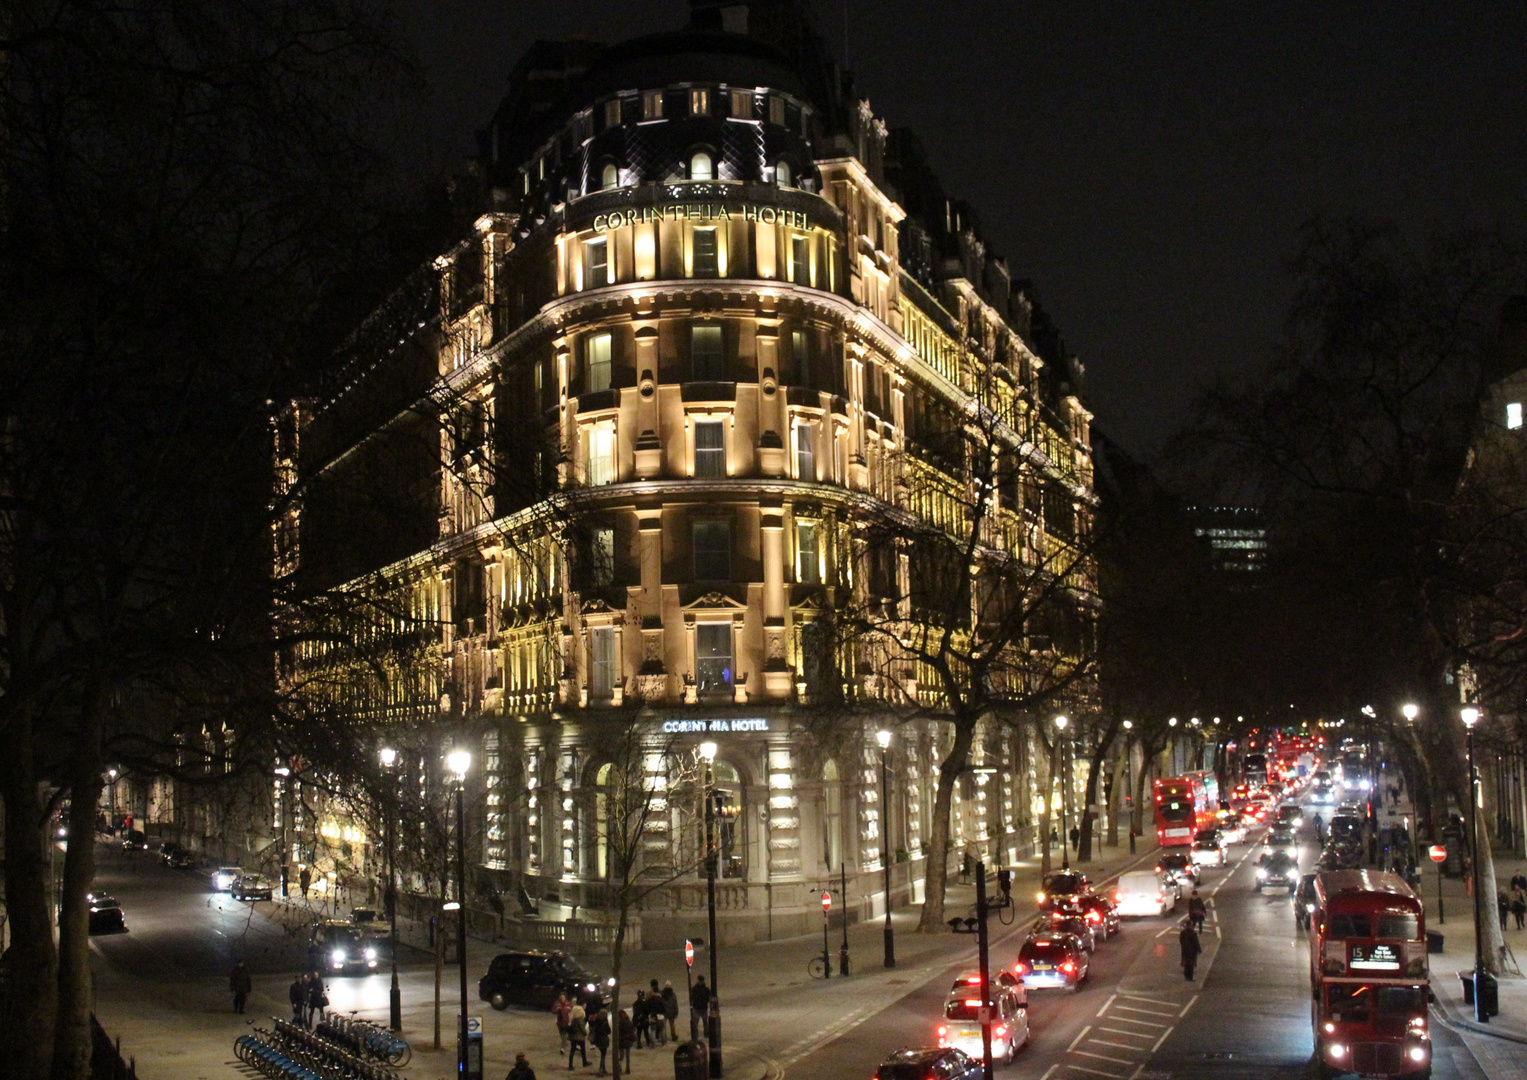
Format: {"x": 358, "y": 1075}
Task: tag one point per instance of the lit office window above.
{"x": 699, "y": 103}
{"x": 701, "y": 167}
{"x": 742, "y": 104}
{"x": 603, "y": 664}
{"x": 610, "y": 177}
{"x": 601, "y": 455}
{"x": 805, "y": 452}
{"x": 612, "y": 112}
{"x": 800, "y": 266}
{"x": 710, "y": 448}
{"x": 809, "y": 567}
{"x": 652, "y": 105}
{"x": 782, "y": 174}
{"x": 602, "y": 557}
{"x": 1514, "y": 415}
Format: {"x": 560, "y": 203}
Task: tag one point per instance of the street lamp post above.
{"x": 713, "y": 1014}
{"x": 1129, "y": 788}
{"x": 1065, "y": 835}
{"x": 459, "y": 761}
{"x": 389, "y": 757}
{"x": 285, "y": 777}
{"x": 884, "y": 739}
{"x": 1470, "y": 716}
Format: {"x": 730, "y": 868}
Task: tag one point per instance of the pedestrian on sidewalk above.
{"x": 1519, "y": 879}
{"x": 297, "y": 993}
{"x": 562, "y": 1008}
{"x": 641, "y": 1016}
{"x": 521, "y": 1070}
{"x": 657, "y": 1016}
{"x": 1519, "y": 905}
{"x": 305, "y": 881}
{"x": 241, "y": 984}
{"x": 699, "y": 1007}
{"x": 1502, "y": 905}
{"x": 671, "y": 1010}
{"x": 599, "y": 1033}
{"x": 625, "y": 1034}
{"x": 1188, "y": 940}
{"x": 577, "y": 1036}
{"x": 318, "y": 1000}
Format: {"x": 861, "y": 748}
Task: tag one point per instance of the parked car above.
{"x": 536, "y": 978}
{"x": 961, "y": 1027}
{"x": 342, "y": 948}
{"x": 1144, "y": 892}
{"x": 105, "y": 914}
{"x": 134, "y": 840}
{"x": 939, "y": 1062}
{"x": 1048, "y": 959}
{"x": 177, "y": 857}
{"x": 224, "y": 877}
{"x": 251, "y": 887}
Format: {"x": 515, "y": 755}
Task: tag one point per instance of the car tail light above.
{"x": 1093, "y": 916}
{"x": 1158, "y": 869}
{"x": 1021, "y": 968}
{"x": 1068, "y": 967}
{"x": 973, "y": 1003}
{"x": 974, "y": 980}
{"x": 1001, "y": 1031}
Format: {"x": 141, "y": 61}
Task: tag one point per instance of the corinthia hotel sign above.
{"x": 681, "y": 727}
{"x": 701, "y": 211}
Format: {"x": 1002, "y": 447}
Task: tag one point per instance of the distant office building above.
{"x": 1236, "y": 535}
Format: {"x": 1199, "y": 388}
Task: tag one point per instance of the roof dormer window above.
{"x": 699, "y": 103}
{"x": 652, "y": 105}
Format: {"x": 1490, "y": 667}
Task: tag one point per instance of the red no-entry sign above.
{"x": 1438, "y": 853}
{"x": 689, "y": 952}
{"x": 826, "y": 902}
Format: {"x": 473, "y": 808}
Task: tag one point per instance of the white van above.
{"x": 1144, "y": 892}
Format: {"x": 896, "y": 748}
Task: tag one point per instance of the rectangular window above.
{"x": 713, "y": 657}
{"x": 808, "y": 565}
{"x": 598, "y": 253}
{"x": 602, "y": 557}
{"x": 800, "y": 266}
{"x": 742, "y": 104}
{"x": 1514, "y": 415}
{"x": 706, "y": 358}
{"x": 776, "y": 109}
{"x": 710, "y": 448}
{"x": 713, "y": 550}
{"x": 801, "y": 355}
{"x": 652, "y": 105}
{"x": 603, "y": 669}
{"x": 601, "y": 455}
{"x": 596, "y": 363}
{"x": 699, "y": 103}
{"x": 706, "y": 262}
{"x": 612, "y": 113}
{"x": 805, "y": 451}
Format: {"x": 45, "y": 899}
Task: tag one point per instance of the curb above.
{"x": 1444, "y": 1014}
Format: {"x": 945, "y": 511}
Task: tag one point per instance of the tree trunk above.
{"x": 1484, "y": 894}
{"x": 936, "y": 871}
{"x": 1141, "y": 805}
{"x": 72, "y": 1038}
{"x": 26, "y": 1038}
{"x": 439, "y": 962}
{"x": 1047, "y": 815}
{"x": 615, "y": 964}
{"x": 1094, "y": 771}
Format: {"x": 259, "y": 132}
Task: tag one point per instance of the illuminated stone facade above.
{"x": 626, "y": 430}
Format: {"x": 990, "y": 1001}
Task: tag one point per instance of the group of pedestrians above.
{"x": 1514, "y": 905}
{"x": 309, "y": 999}
{"x": 652, "y": 1020}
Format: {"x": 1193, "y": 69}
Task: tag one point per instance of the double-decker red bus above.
{"x": 1183, "y": 806}
{"x": 1368, "y": 975}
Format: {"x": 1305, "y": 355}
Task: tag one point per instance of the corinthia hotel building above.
{"x": 610, "y": 448}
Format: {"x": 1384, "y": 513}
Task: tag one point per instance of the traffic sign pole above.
{"x": 826, "y": 954}
{"x": 1439, "y": 856}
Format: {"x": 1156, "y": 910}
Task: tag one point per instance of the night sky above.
{"x": 1148, "y": 165}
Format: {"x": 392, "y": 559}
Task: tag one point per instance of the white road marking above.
{"x": 1147, "y": 1012}
{"x": 1161, "y": 1040}
{"x": 1079, "y": 1036}
{"x": 1132, "y": 1020}
{"x": 1047, "y": 1072}
{"x": 1121, "y": 1031}
{"x": 1105, "y": 1057}
{"x": 1111, "y": 999}
{"x": 1193, "y": 1001}
{"x": 1095, "y": 1041}
{"x": 1095, "y": 1072}
{"x": 1142, "y": 997}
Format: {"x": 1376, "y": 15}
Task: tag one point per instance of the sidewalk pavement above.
{"x": 1499, "y": 1046}
{"x": 774, "y": 1013}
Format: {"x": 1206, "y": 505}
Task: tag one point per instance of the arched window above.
{"x": 832, "y": 816}
{"x": 782, "y": 175}
{"x": 701, "y": 167}
{"x": 610, "y": 178}
{"x": 731, "y": 828}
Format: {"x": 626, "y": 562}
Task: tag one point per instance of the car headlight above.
{"x": 370, "y": 954}
{"x": 338, "y": 956}
{"x": 1418, "y": 1053}
{"x": 610, "y": 981}
{"x": 1261, "y": 873}
{"x": 590, "y": 987}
